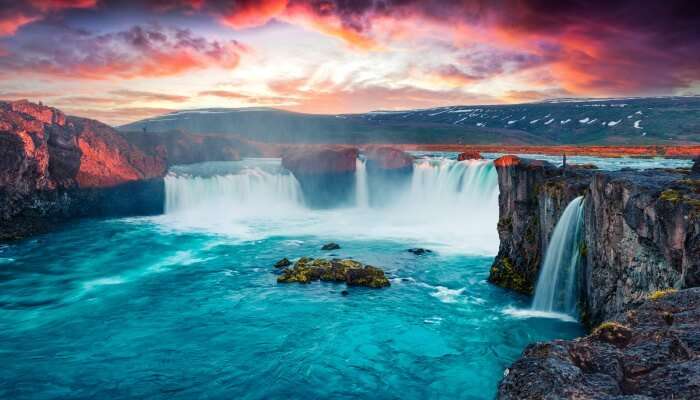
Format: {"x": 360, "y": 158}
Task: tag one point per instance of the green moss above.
{"x": 657, "y": 294}
{"x": 671, "y": 195}
{"x": 504, "y": 274}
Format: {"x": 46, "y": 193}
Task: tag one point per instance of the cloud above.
{"x": 15, "y": 14}
{"x": 595, "y": 47}
{"x": 150, "y": 51}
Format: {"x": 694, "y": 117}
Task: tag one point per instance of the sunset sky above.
{"x": 120, "y": 61}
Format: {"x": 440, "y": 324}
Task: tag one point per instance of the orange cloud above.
{"x": 247, "y": 14}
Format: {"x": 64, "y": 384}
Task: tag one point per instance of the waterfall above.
{"x": 445, "y": 205}
{"x": 471, "y": 183}
{"x": 246, "y": 190}
{"x": 361, "y": 189}
{"x": 556, "y": 287}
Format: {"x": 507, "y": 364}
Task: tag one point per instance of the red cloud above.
{"x": 246, "y": 14}
{"x": 14, "y": 16}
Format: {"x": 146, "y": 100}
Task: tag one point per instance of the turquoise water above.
{"x": 176, "y": 306}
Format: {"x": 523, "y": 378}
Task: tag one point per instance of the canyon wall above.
{"x": 641, "y": 230}
{"x": 54, "y": 167}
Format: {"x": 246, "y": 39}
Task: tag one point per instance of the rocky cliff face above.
{"x": 642, "y": 233}
{"x": 52, "y": 167}
{"x": 326, "y": 175}
{"x": 651, "y": 352}
{"x": 641, "y": 230}
{"x": 533, "y": 195}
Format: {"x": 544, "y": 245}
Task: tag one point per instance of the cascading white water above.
{"x": 556, "y": 287}
{"x": 361, "y": 189}
{"x": 449, "y": 205}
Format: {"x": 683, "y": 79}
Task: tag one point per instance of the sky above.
{"x": 121, "y": 61}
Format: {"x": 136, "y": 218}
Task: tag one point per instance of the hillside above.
{"x": 658, "y": 120}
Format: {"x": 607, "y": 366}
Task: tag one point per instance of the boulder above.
{"x": 330, "y": 246}
{"x": 326, "y": 176}
{"x": 283, "y": 263}
{"x": 419, "y": 251}
{"x": 469, "y": 155}
{"x": 353, "y": 273}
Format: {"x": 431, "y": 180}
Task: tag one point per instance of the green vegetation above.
{"x": 671, "y": 195}
{"x": 657, "y": 294}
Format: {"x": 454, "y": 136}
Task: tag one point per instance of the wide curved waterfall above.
{"x": 445, "y": 203}
{"x": 556, "y": 287}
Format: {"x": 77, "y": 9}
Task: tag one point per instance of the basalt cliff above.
{"x": 641, "y": 242}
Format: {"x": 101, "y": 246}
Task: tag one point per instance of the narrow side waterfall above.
{"x": 361, "y": 189}
{"x": 556, "y": 287}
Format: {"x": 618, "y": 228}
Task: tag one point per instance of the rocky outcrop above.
{"x": 326, "y": 175}
{"x": 641, "y": 230}
{"x": 642, "y": 233}
{"x": 54, "y": 167}
{"x": 469, "y": 155}
{"x": 533, "y": 195}
{"x": 650, "y": 352}
{"x": 389, "y": 172}
{"x": 353, "y": 273}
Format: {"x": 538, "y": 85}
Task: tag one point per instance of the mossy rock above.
{"x": 352, "y": 272}
{"x": 658, "y": 294}
{"x": 505, "y": 275}
{"x": 671, "y": 195}
{"x": 613, "y": 333}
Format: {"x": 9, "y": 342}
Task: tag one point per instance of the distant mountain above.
{"x": 653, "y": 120}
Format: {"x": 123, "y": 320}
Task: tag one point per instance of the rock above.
{"x": 634, "y": 356}
{"x": 54, "y": 168}
{"x": 283, "y": 263}
{"x": 326, "y": 176}
{"x": 642, "y": 233}
{"x": 695, "y": 170}
{"x": 330, "y": 246}
{"x": 388, "y": 158}
{"x": 353, "y": 273}
{"x": 419, "y": 251}
{"x": 469, "y": 155}
{"x": 641, "y": 230}
{"x": 344, "y": 293}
